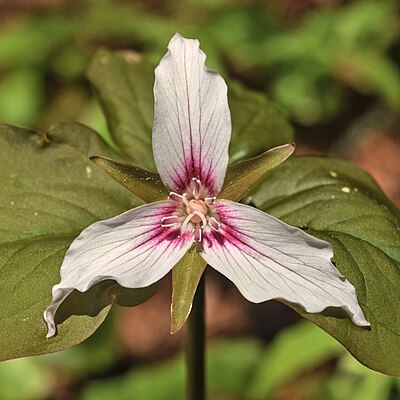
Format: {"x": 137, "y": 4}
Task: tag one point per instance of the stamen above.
{"x": 198, "y": 234}
{"x": 186, "y": 222}
{"x": 196, "y": 188}
{"x": 175, "y": 197}
{"x": 214, "y": 223}
{"x": 210, "y": 200}
{"x": 185, "y": 200}
{"x": 171, "y": 220}
{"x": 203, "y": 218}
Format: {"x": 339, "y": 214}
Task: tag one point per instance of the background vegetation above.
{"x": 331, "y": 66}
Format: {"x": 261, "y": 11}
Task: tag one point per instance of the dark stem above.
{"x": 195, "y": 366}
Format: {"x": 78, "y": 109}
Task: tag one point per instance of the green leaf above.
{"x": 185, "y": 278}
{"x": 145, "y": 184}
{"x": 124, "y": 87}
{"x": 125, "y": 91}
{"x": 240, "y": 177}
{"x": 298, "y": 348}
{"x": 338, "y": 202}
{"x": 257, "y": 124}
{"x": 50, "y": 193}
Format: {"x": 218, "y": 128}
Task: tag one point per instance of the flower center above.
{"x": 195, "y": 211}
{"x": 196, "y": 205}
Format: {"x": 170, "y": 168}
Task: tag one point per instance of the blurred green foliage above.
{"x": 301, "y": 358}
{"x": 308, "y": 65}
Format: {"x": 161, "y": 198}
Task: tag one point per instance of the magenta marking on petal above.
{"x": 214, "y": 223}
{"x": 179, "y": 179}
{"x": 198, "y": 234}
{"x": 172, "y": 235}
{"x": 198, "y": 171}
{"x": 163, "y": 210}
{"x": 226, "y": 231}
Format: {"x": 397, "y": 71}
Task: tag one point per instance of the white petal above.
{"x": 268, "y": 259}
{"x": 192, "y": 124}
{"x": 132, "y": 249}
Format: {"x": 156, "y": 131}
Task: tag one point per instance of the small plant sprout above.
{"x": 264, "y": 257}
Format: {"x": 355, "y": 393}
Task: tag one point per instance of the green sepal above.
{"x": 185, "y": 278}
{"x": 242, "y": 176}
{"x": 144, "y": 184}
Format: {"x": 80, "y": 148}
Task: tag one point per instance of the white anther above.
{"x": 170, "y": 221}
{"x": 214, "y": 223}
{"x": 210, "y": 200}
{"x": 196, "y": 188}
{"x": 198, "y": 234}
{"x": 175, "y": 197}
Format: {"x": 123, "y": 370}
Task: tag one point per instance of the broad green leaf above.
{"x": 257, "y": 124}
{"x": 145, "y": 184}
{"x": 298, "y": 348}
{"x": 124, "y": 85}
{"x": 50, "y": 191}
{"x": 185, "y": 278}
{"x": 240, "y": 177}
{"x": 338, "y": 202}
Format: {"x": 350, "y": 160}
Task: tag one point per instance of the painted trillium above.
{"x": 265, "y": 258}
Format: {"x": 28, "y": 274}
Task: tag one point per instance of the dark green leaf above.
{"x": 124, "y": 86}
{"x": 145, "y": 184}
{"x": 50, "y": 193}
{"x": 257, "y": 124}
{"x": 338, "y": 202}
{"x": 240, "y": 177}
{"x": 185, "y": 278}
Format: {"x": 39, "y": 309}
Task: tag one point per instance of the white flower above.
{"x": 264, "y": 257}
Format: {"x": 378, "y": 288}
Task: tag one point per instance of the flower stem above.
{"x": 195, "y": 354}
